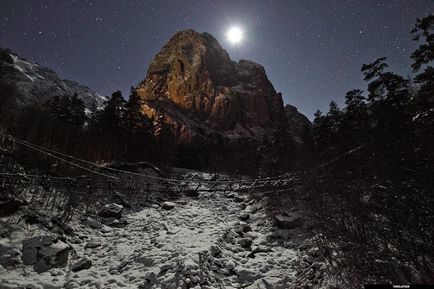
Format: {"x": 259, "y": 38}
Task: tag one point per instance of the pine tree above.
{"x": 424, "y": 28}
{"x": 138, "y": 128}
{"x": 355, "y": 123}
{"x": 384, "y": 85}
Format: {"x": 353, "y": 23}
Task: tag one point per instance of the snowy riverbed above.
{"x": 215, "y": 240}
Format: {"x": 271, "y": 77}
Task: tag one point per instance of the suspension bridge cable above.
{"x": 62, "y": 159}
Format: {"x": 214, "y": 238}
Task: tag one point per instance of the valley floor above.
{"x": 215, "y": 240}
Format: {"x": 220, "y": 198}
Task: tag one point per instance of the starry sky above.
{"x": 312, "y": 50}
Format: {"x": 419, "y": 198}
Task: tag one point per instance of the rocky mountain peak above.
{"x": 193, "y": 82}
{"x": 35, "y": 82}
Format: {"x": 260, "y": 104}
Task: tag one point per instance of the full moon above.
{"x": 234, "y": 35}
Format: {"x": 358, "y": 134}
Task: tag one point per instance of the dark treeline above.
{"x": 375, "y": 202}
{"x": 118, "y": 131}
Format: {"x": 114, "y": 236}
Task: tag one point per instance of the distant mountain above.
{"x": 198, "y": 88}
{"x": 35, "y": 82}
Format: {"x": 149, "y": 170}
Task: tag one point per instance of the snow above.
{"x": 34, "y": 81}
{"x": 194, "y": 242}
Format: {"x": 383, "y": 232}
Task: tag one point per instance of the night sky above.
{"x": 312, "y": 50}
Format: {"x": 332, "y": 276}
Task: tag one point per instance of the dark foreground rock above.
{"x": 168, "y": 205}
{"x": 45, "y": 252}
{"x": 82, "y": 264}
{"x": 291, "y": 221}
{"x": 112, "y": 211}
{"x": 10, "y": 204}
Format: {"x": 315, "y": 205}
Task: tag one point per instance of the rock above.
{"x": 82, "y": 264}
{"x": 230, "y": 265}
{"x": 245, "y": 227}
{"x": 191, "y": 193}
{"x": 91, "y": 223}
{"x": 246, "y": 275}
{"x": 45, "y": 252}
{"x": 299, "y": 125}
{"x": 194, "y": 84}
{"x": 250, "y": 209}
{"x": 33, "y": 81}
{"x": 111, "y": 211}
{"x": 106, "y": 229}
{"x": 230, "y": 195}
{"x": 239, "y": 230}
{"x": 10, "y": 205}
{"x": 122, "y": 265}
{"x": 9, "y": 256}
{"x": 215, "y": 251}
{"x": 264, "y": 284}
{"x": 245, "y": 242}
{"x": 259, "y": 249}
{"x": 168, "y": 205}
{"x": 239, "y": 199}
{"x": 164, "y": 268}
{"x": 92, "y": 245}
{"x": 244, "y": 216}
{"x": 288, "y": 222}
{"x": 113, "y": 222}
{"x": 150, "y": 279}
{"x": 145, "y": 260}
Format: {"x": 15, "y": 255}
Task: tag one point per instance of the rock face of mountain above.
{"x": 35, "y": 82}
{"x": 198, "y": 88}
{"x": 298, "y": 124}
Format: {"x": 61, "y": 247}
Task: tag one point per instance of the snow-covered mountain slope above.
{"x": 35, "y": 82}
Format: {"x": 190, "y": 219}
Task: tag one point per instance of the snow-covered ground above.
{"x": 215, "y": 240}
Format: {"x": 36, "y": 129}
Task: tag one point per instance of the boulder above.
{"x": 92, "y": 245}
{"x": 244, "y": 216}
{"x": 150, "y": 278}
{"x": 230, "y": 265}
{"x": 82, "y": 264}
{"x": 259, "y": 249}
{"x": 215, "y": 251}
{"x": 239, "y": 199}
{"x": 291, "y": 221}
{"x": 168, "y": 205}
{"x": 45, "y": 252}
{"x": 111, "y": 211}
{"x": 230, "y": 195}
{"x": 247, "y": 275}
{"x": 239, "y": 230}
{"x": 9, "y": 255}
{"x": 113, "y": 222}
{"x": 245, "y": 227}
{"x": 10, "y": 204}
{"x": 191, "y": 193}
{"x": 245, "y": 242}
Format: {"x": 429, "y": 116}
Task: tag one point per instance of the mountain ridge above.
{"x": 192, "y": 79}
{"x": 36, "y": 82}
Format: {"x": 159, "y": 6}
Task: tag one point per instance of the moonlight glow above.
{"x": 234, "y": 35}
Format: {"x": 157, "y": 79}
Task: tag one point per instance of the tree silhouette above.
{"x": 423, "y": 30}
